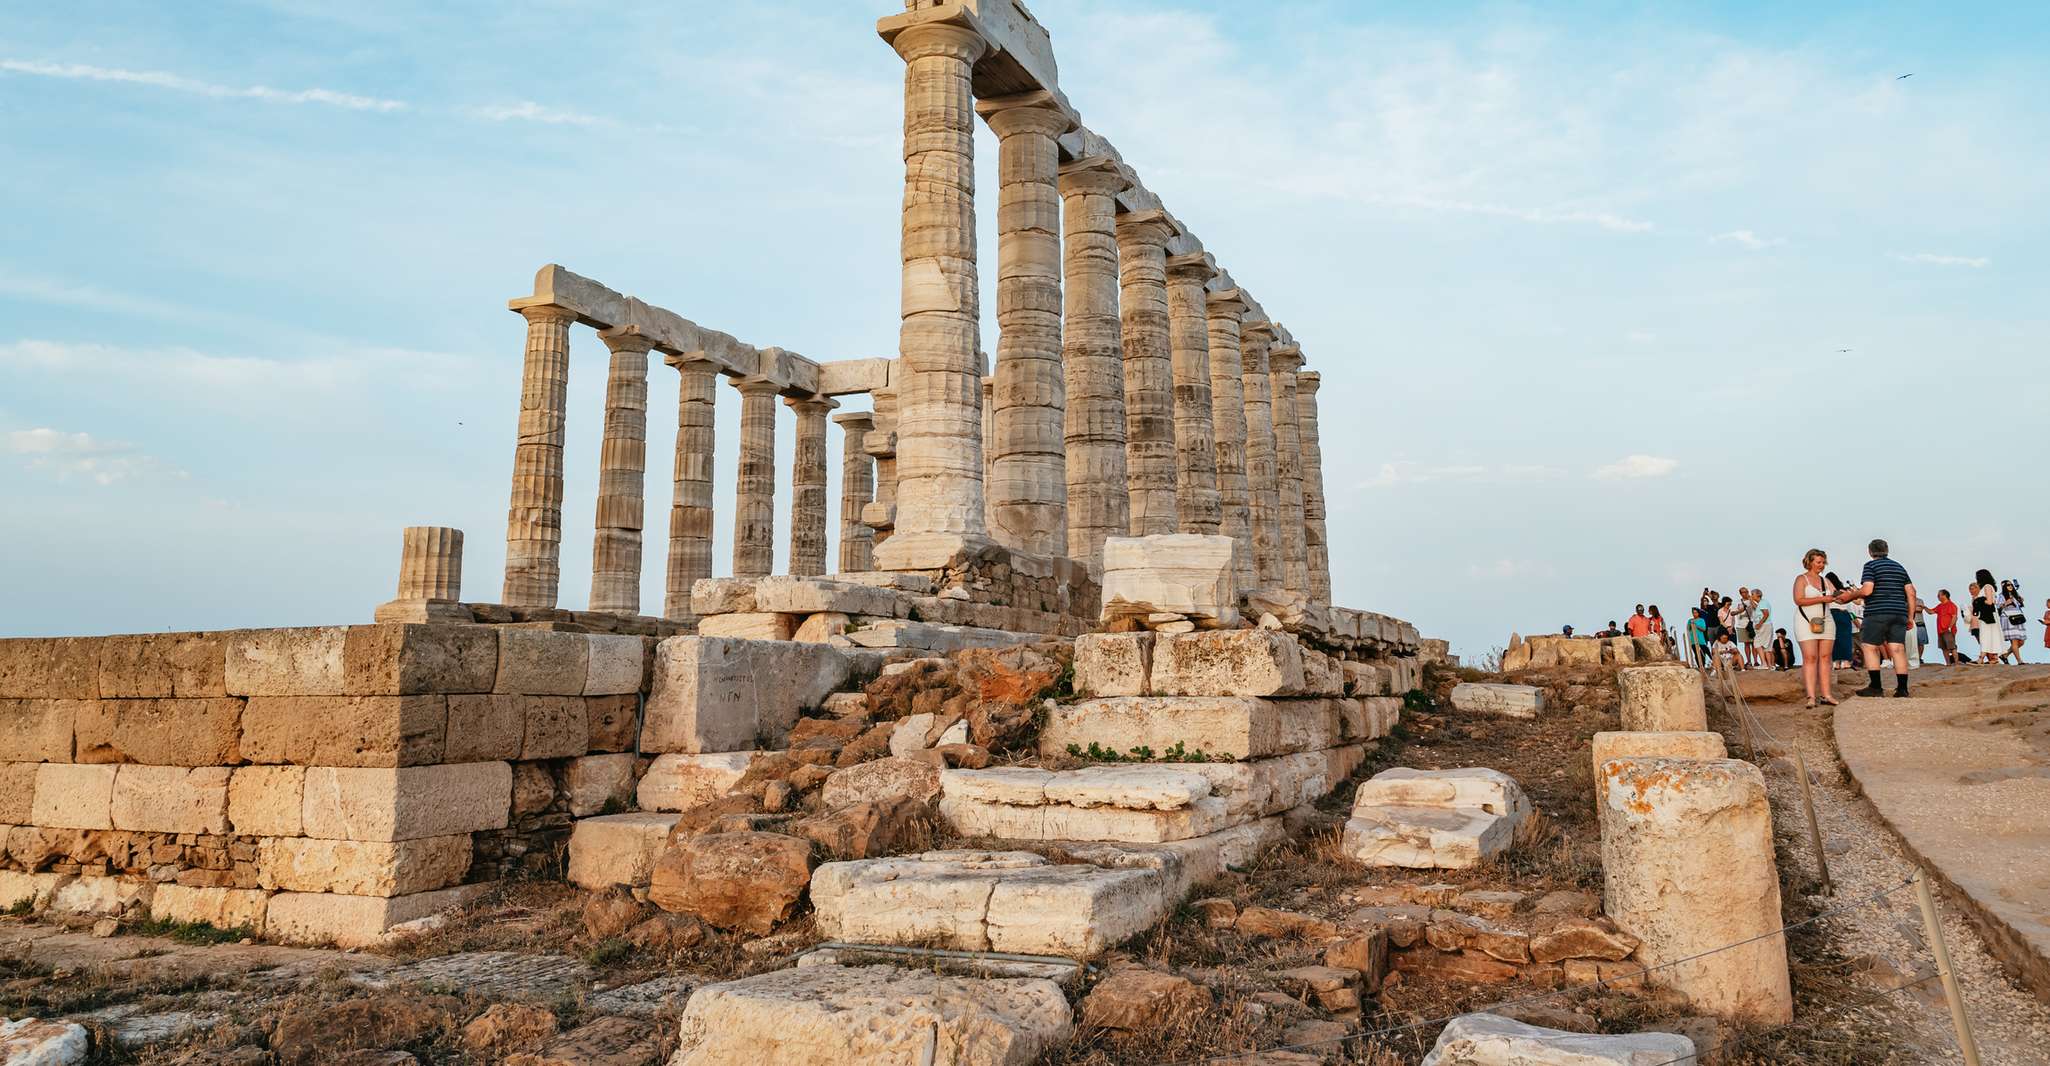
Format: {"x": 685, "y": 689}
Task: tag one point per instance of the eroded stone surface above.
{"x": 1666, "y": 698}
{"x": 1504, "y": 701}
{"x": 1492, "y": 1040}
{"x": 617, "y": 848}
{"x": 718, "y": 694}
{"x": 983, "y": 901}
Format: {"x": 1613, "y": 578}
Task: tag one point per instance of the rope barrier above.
{"x": 1540, "y": 997}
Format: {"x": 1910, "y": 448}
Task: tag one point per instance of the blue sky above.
{"x": 1579, "y": 282}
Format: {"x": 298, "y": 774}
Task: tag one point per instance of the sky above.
{"x": 1611, "y": 302}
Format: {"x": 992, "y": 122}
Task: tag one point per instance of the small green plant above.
{"x": 189, "y": 932}
{"x": 1416, "y": 701}
{"x": 610, "y": 950}
{"x": 1180, "y": 752}
{"x": 1064, "y": 685}
{"x": 22, "y": 907}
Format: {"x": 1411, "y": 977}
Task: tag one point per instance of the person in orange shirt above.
{"x": 1638, "y": 625}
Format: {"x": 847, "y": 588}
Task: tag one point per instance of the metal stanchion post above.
{"x": 1958, "y": 1019}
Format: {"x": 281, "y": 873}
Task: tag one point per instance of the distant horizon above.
{"x": 1603, "y": 301}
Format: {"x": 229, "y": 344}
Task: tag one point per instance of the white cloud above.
{"x": 1407, "y": 472}
{"x": 69, "y": 455}
{"x": 1510, "y": 570}
{"x": 529, "y": 111}
{"x": 230, "y": 379}
{"x": 1637, "y": 467}
{"x": 1932, "y": 259}
{"x": 1747, "y": 239}
{"x": 158, "y": 79}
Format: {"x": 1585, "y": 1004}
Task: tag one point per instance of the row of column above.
{"x": 534, "y": 518}
{"x": 1126, "y": 398}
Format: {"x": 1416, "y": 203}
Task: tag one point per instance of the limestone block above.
{"x": 722, "y": 595}
{"x": 1663, "y": 698}
{"x": 680, "y": 782}
{"x": 408, "y": 802}
{"x": 1621, "y": 650}
{"x": 38, "y": 730}
{"x": 834, "y": 1015}
{"x": 355, "y": 921}
{"x": 753, "y": 626}
{"x": 15, "y": 887}
{"x": 1181, "y": 573}
{"x": 1227, "y": 727}
{"x": 881, "y": 780}
{"x": 721, "y": 694}
{"x": 912, "y": 735}
{"x": 485, "y": 726}
{"x": 821, "y": 628}
{"x": 971, "y": 817}
{"x": 537, "y": 662}
{"x": 222, "y": 908}
{"x": 554, "y": 727}
{"x": 361, "y": 867}
{"x": 1236, "y": 662}
{"x": 406, "y": 660}
{"x": 1017, "y": 785}
{"x": 1383, "y": 713}
{"x": 344, "y": 730}
{"x": 73, "y": 796}
{"x": 615, "y": 721}
{"x": 287, "y": 662}
{"x": 267, "y": 801}
{"x": 171, "y": 799}
{"x": 1263, "y": 787}
{"x": 1490, "y": 791}
{"x": 595, "y": 781}
{"x": 738, "y": 880}
{"x": 163, "y": 732}
{"x": 1633, "y": 745}
{"x": 1580, "y": 651}
{"x": 1147, "y": 788}
{"x": 1492, "y": 1040}
{"x": 931, "y": 636}
{"x": 1651, "y": 650}
{"x": 184, "y": 665}
{"x": 50, "y": 668}
{"x": 1368, "y": 679}
{"x": 616, "y": 666}
{"x": 617, "y": 849}
{"x": 1425, "y": 838}
{"x": 18, "y": 792}
{"x": 34, "y": 1042}
{"x": 984, "y": 901}
{"x": 1113, "y": 664}
{"x": 811, "y": 595}
{"x": 104, "y": 897}
{"x": 1688, "y": 868}
{"x": 1502, "y": 701}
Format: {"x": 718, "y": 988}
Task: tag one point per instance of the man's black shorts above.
{"x": 1882, "y": 629}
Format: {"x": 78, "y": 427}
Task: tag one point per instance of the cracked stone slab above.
{"x": 493, "y": 974}
{"x": 1012, "y": 901}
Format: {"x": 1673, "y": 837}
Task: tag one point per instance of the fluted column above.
{"x": 690, "y": 504}
{"x": 1263, "y": 486}
{"x": 989, "y": 432}
{"x": 622, "y": 474}
{"x": 1092, "y": 357}
{"x": 533, "y": 520}
{"x": 1028, "y": 488}
{"x": 1282, "y": 363}
{"x": 1188, "y": 331}
{"x": 857, "y": 488}
{"x": 1149, "y": 370}
{"x": 754, "y": 495}
{"x": 808, "y": 486}
{"x": 880, "y": 514}
{"x": 1228, "y": 423}
{"x": 431, "y": 564}
{"x": 1315, "y": 531}
{"x": 939, "y": 424}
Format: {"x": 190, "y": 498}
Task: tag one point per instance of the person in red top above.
{"x": 1638, "y": 625}
{"x": 1946, "y": 626}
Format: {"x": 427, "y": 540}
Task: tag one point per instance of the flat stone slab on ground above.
{"x": 1492, "y": 1040}
{"x": 1426, "y": 838}
{"x": 1503, "y": 701}
{"x": 1227, "y": 727}
{"x": 661, "y": 997}
{"x": 492, "y": 974}
{"x": 1011, "y": 901}
{"x": 1490, "y": 790}
{"x": 35, "y": 1042}
{"x": 833, "y": 1015}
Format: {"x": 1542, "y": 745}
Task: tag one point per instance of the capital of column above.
{"x": 1307, "y": 381}
{"x": 1094, "y": 174}
{"x": 855, "y": 420}
{"x": 1037, "y": 111}
{"x": 963, "y": 42}
{"x": 1197, "y": 266}
{"x": 756, "y": 386}
{"x": 1227, "y": 302}
{"x": 811, "y": 404}
{"x": 690, "y": 362}
{"x": 1258, "y": 329}
{"x": 547, "y": 315}
{"x": 1146, "y": 227}
{"x": 626, "y": 340}
{"x": 1285, "y": 358}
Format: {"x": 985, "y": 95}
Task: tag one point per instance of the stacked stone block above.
{"x": 318, "y": 784}
{"x": 876, "y": 610}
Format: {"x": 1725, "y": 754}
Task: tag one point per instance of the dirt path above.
{"x": 1865, "y": 858}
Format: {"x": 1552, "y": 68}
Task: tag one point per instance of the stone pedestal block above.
{"x": 722, "y": 694}
{"x": 1009, "y": 901}
{"x": 617, "y": 849}
{"x": 1182, "y": 573}
{"x": 1664, "y": 698}
{"x": 406, "y": 803}
{"x": 1636, "y": 745}
{"x": 1502, "y": 701}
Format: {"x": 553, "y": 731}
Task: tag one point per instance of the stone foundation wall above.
{"x": 318, "y": 784}
{"x": 880, "y": 611}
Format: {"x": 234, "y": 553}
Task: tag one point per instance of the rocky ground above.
{"x": 1256, "y": 970}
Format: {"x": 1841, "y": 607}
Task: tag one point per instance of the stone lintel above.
{"x": 1138, "y": 199}
{"x": 1183, "y": 242}
{"x": 1259, "y": 326}
{"x": 845, "y": 377}
{"x": 1020, "y": 55}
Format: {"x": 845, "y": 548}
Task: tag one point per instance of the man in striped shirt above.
{"x": 1887, "y": 591}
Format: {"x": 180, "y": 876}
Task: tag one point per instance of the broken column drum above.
{"x": 1664, "y": 698}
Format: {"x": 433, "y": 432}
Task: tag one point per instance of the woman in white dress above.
{"x": 1814, "y": 627}
{"x": 1986, "y": 619}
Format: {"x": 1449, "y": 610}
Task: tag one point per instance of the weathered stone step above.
{"x": 833, "y": 1015}
{"x": 1503, "y": 701}
{"x": 1490, "y": 790}
{"x": 1231, "y": 727}
{"x": 617, "y": 849}
{"x": 1426, "y": 838}
{"x": 1010, "y": 901}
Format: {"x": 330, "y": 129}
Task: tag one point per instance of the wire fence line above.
{"x": 1605, "y": 982}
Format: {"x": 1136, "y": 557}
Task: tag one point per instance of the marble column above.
{"x": 690, "y": 503}
{"x": 1149, "y": 371}
{"x": 1315, "y": 531}
{"x": 939, "y": 424}
{"x": 1228, "y": 423}
{"x": 622, "y": 475}
{"x": 1092, "y": 357}
{"x": 1282, "y": 363}
{"x": 754, "y": 494}
{"x": 533, "y": 520}
{"x": 1188, "y": 329}
{"x": 1028, "y": 488}
{"x": 989, "y": 432}
{"x": 880, "y": 514}
{"x": 857, "y": 488}
{"x": 808, "y": 487}
{"x": 431, "y": 564}
{"x": 1263, "y": 485}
